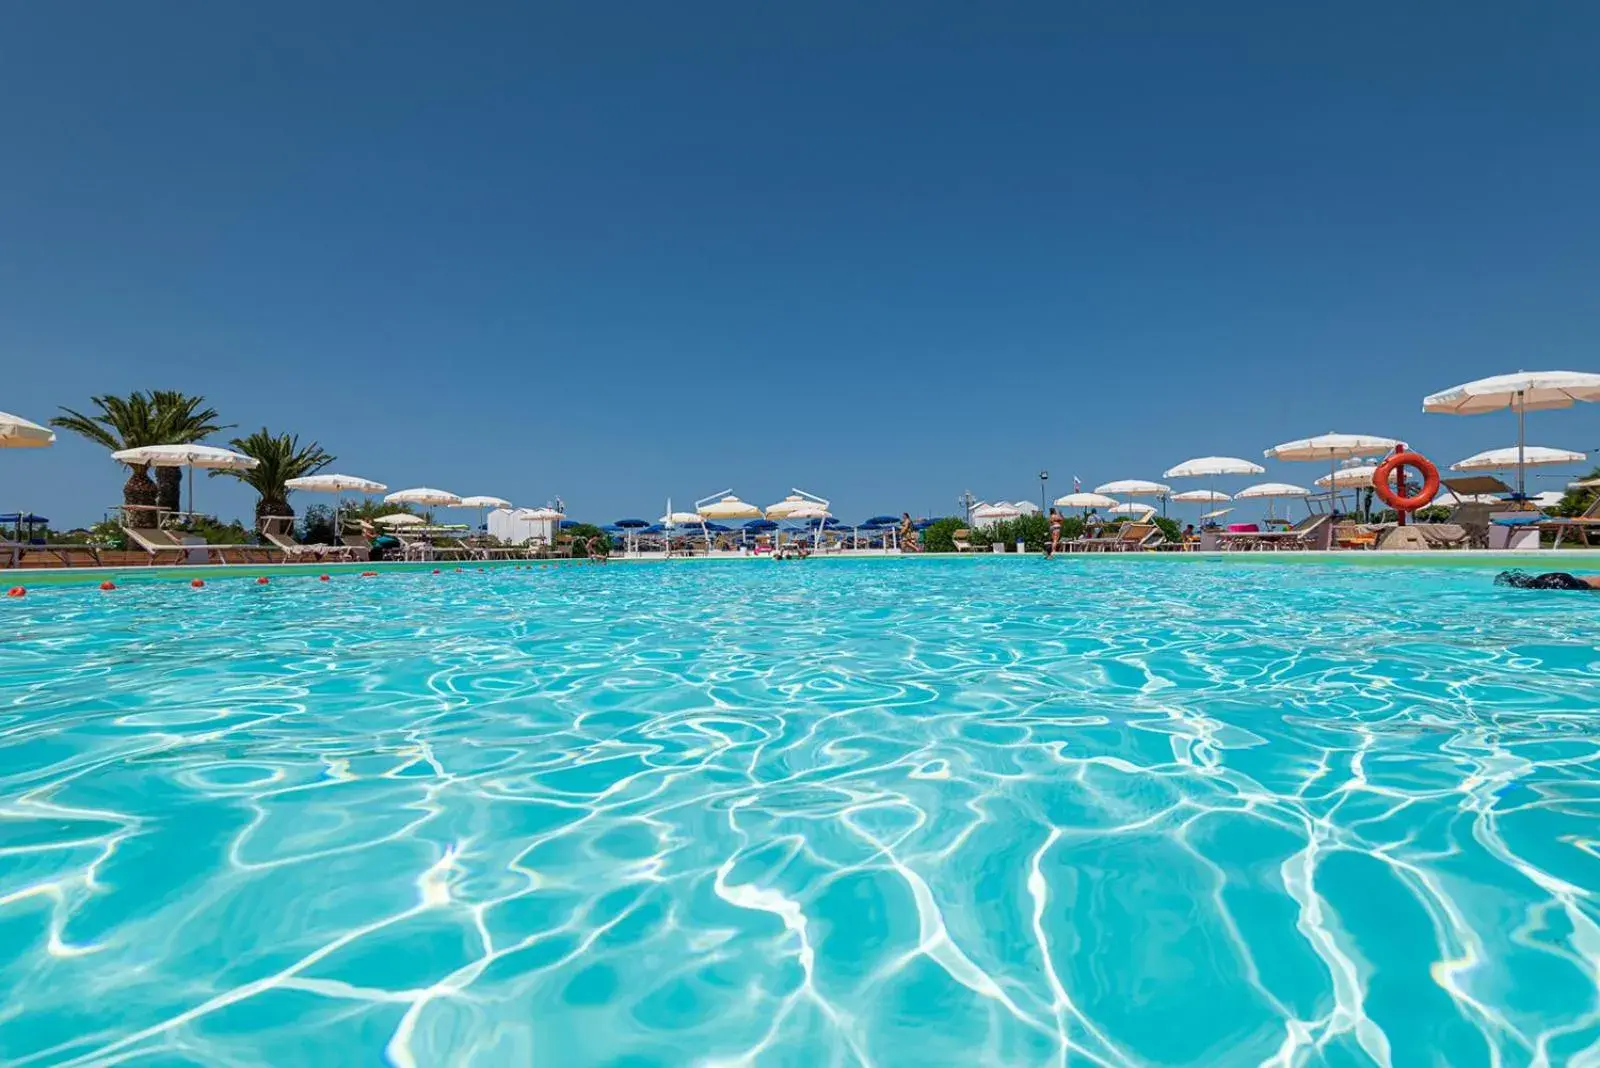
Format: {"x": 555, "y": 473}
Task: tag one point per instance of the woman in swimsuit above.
{"x": 1055, "y": 534}
{"x": 908, "y": 535}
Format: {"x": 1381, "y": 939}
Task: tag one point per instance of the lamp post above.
{"x": 1044, "y": 503}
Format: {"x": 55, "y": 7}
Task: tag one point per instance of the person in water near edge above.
{"x": 1550, "y": 580}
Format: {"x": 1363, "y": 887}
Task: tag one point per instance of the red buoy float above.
{"x": 197, "y": 583}
{"x": 1402, "y": 458}
{"x": 262, "y": 581}
{"x": 108, "y": 585}
{"x": 17, "y": 591}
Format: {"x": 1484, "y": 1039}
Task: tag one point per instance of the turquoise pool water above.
{"x": 823, "y": 813}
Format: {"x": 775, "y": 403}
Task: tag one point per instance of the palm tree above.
{"x": 122, "y": 423}
{"x": 281, "y": 458}
{"x": 179, "y": 420}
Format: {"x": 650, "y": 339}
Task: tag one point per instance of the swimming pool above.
{"x": 844, "y": 812}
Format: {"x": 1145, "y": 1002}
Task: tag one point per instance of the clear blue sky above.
{"x": 881, "y": 251}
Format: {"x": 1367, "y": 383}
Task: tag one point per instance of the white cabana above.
{"x": 1527, "y": 456}
{"x": 998, "y": 512}
{"x": 210, "y": 457}
{"x": 19, "y": 433}
{"x": 515, "y": 526}
{"x": 1522, "y": 392}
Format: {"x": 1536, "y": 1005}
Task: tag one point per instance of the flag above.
{"x": 1077, "y": 484}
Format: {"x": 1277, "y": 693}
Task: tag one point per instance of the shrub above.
{"x": 316, "y": 525}
{"x": 580, "y": 534}
{"x": 1169, "y": 528}
{"x": 938, "y": 537}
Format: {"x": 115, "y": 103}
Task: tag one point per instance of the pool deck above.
{"x": 1531, "y": 559}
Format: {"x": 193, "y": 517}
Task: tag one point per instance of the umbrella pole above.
{"x": 1522, "y": 425}
{"x": 191, "y": 492}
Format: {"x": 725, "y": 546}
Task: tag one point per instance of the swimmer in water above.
{"x": 1550, "y": 580}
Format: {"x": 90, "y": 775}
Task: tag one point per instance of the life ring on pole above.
{"x": 1399, "y": 459}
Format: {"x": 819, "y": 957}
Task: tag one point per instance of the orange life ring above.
{"x": 1424, "y": 466}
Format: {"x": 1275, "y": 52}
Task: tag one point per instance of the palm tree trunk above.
{"x": 266, "y": 506}
{"x": 139, "y": 490}
{"x": 169, "y": 488}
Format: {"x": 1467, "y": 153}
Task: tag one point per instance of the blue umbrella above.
{"x": 566, "y": 523}
{"x": 882, "y": 521}
{"x": 716, "y": 528}
{"x": 632, "y": 524}
{"x": 923, "y": 524}
{"x": 759, "y": 525}
{"x": 653, "y": 528}
{"x": 23, "y": 517}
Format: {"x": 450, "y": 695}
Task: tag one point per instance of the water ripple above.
{"x": 865, "y": 813}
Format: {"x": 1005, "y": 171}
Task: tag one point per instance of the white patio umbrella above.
{"x": 425, "y": 496}
{"x": 400, "y": 519}
{"x": 1132, "y": 508}
{"x": 1522, "y": 392}
{"x": 1086, "y": 500}
{"x": 542, "y": 514}
{"x": 483, "y": 502}
{"x": 1332, "y": 447}
{"x": 1449, "y": 498}
{"x": 19, "y": 433}
{"x": 729, "y": 507}
{"x": 684, "y": 519}
{"x": 794, "y": 502}
{"x": 1210, "y": 467}
{"x": 1526, "y": 455}
{"x": 1271, "y": 491}
{"x": 1216, "y": 513}
{"x": 1134, "y": 487}
{"x": 335, "y": 483}
{"x": 1346, "y": 477}
{"x": 211, "y": 457}
{"x": 1205, "y": 496}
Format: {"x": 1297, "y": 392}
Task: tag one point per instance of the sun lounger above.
{"x": 13, "y": 553}
{"x": 962, "y": 540}
{"x": 1136, "y": 537}
{"x": 277, "y": 530}
{"x": 1580, "y": 526}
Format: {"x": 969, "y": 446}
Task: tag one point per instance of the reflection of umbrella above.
{"x": 1527, "y": 455}
{"x": 333, "y": 483}
{"x": 1331, "y": 447}
{"x": 18, "y": 433}
{"x": 1522, "y": 392}
{"x": 191, "y": 456}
